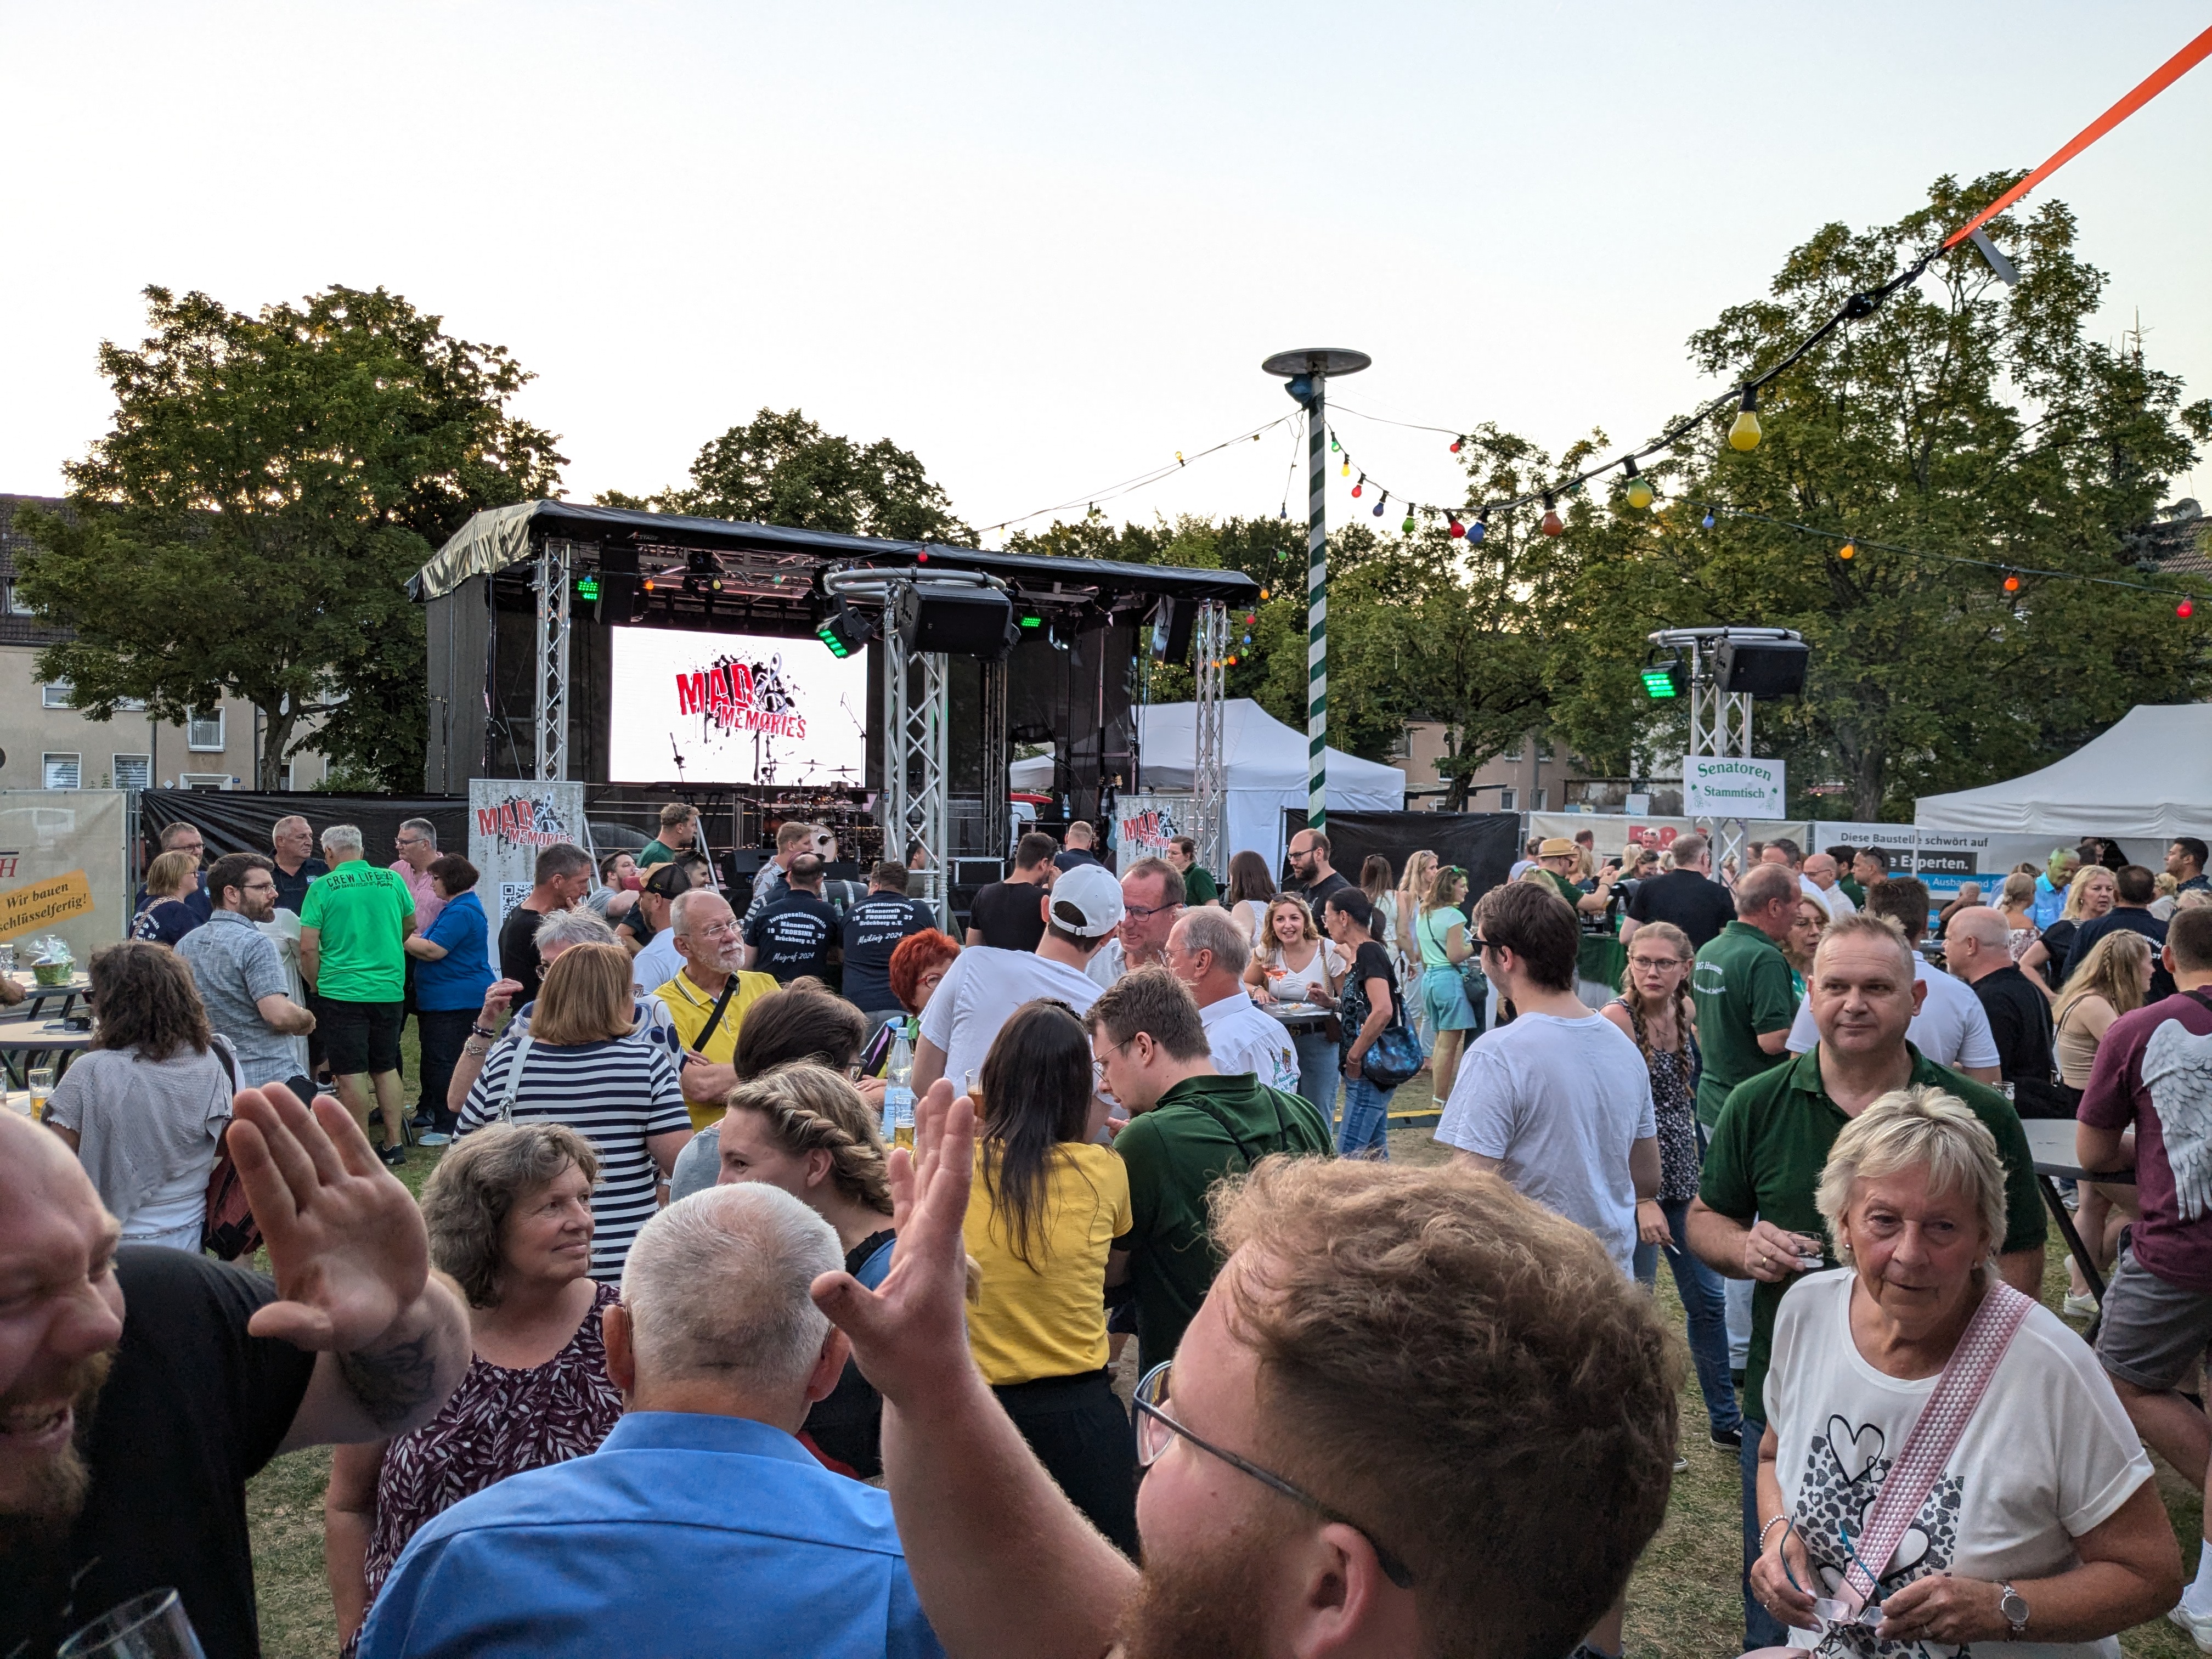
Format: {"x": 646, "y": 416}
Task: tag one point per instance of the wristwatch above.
{"x": 2014, "y": 1606}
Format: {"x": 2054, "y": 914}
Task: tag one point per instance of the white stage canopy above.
{"x": 1266, "y": 766}
{"x": 2147, "y": 780}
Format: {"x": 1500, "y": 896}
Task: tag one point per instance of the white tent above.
{"x": 2149, "y": 778}
{"x": 1267, "y": 762}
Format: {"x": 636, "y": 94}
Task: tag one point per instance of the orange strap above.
{"x": 2166, "y": 74}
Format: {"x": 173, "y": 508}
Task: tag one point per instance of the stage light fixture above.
{"x": 613, "y": 590}
{"x": 844, "y": 629}
{"x": 1664, "y": 681}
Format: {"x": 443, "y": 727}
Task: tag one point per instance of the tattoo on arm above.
{"x": 392, "y": 1384}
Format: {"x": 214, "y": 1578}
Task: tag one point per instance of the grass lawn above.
{"x": 1683, "y": 1604}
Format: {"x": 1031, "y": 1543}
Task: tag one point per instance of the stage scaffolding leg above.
{"x": 1720, "y": 724}
{"x": 552, "y": 659}
{"x": 915, "y": 808}
{"x": 998, "y": 754}
{"x": 1209, "y": 774}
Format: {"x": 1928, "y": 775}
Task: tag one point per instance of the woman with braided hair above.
{"x": 803, "y": 1127}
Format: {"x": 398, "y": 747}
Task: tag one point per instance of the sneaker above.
{"x": 432, "y": 1138}
{"x": 2080, "y": 1305}
{"x": 393, "y": 1157}
{"x": 421, "y": 1120}
{"x": 2198, "y": 1625}
{"x": 1681, "y": 1463}
{"x": 1728, "y": 1439}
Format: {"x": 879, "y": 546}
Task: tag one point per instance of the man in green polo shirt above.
{"x": 354, "y": 926}
{"x": 1741, "y": 986}
{"x": 1189, "y": 1126}
{"x": 1755, "y": 1216}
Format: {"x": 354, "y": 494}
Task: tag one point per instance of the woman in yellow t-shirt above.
{"x": 1046, "y": 1206}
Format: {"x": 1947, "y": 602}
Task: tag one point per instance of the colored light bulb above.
{"x": 1406, "y": 528}
{"x": 1745, "y": 433}
{"x": 1457, "y": 528}
{"x": 1639, "y": 493}
{"x": 1346, "y": 471}
{"x": 2186, "y": 609}
{"x": 1380, "y": 505}
{"x": 1709, "y": 518}
{"x": 1333, "y": 444}
{"x": 1456, "y": 443}
{"x": 1361, "y": 485}
{"x": 1479, "y": 529}
{"x": 1551, "y": 524}
{"x": 1847, "y": 551}
{"x": 2011, "y": 583}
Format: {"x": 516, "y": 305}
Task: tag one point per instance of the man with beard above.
{"x": 141, "y": 1387}
{"x": 1494, "y": 1509}
{"x": 241, "y": 979}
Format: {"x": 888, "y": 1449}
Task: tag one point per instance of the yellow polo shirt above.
{"x": 688, "y": 1010}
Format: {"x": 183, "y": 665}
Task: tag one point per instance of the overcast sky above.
{"x": 1045, "y": 247}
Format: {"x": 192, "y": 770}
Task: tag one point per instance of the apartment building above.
{"x": 1537, "y": 777}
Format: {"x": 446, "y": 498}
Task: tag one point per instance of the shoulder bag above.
{"x": 1396, "y": 1055}
{"x": 229, "y": 1229}
{"x": 508, "y": 1095}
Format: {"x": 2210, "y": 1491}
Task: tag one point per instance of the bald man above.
{"x": 1821, "y": 878}
{"x": 1977, "y": 949}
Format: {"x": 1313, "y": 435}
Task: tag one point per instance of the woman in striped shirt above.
{"x": 578, "y": 1066}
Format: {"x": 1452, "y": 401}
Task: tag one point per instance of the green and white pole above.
{"x": 1317, "y": 605}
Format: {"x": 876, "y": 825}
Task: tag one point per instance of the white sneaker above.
{"x": 2198, "y": 1625}
{"x": 2082, "y": 1305}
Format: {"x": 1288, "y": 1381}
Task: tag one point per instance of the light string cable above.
{"x": 1151, "y": 476}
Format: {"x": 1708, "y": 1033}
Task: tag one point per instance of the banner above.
{"x": 1145, "y": 824}
{"x": 511, "y": 822}
{"x": 63, "y": 869}
{"x": 1733, "y": 787}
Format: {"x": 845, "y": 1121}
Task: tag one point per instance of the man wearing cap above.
{"x": 982, "y": 989}
{"x": 1558, "y": 856}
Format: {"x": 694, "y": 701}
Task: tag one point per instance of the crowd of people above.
{"x": 695, "y": 1342}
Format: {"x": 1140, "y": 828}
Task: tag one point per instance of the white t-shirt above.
{"x": 1834, "y": 900}
{"x": 979, "y": 993}
{"x": 1243, "y": 1037}
{"x": 1293, "y": 983}
{"x": 2048, "y": 1455}
{"x": 1951, "y": 1028}
{"x": 1559, "y": 1102}
{"x": 657, "y": 962}
{"x": 1107, "y": 963}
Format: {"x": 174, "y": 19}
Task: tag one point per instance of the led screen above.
{"x": 736, "y": 708}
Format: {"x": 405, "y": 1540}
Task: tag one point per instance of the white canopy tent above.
{"x": 2147, "y": 779}
{"x": 1266, "y": 766}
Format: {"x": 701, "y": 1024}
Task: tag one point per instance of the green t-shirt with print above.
{"x": 361, "y": 910}
{"x": 1741, "y": 986}
{"x": 1197, "y": 886}
{"x": 1772, "y": 1141}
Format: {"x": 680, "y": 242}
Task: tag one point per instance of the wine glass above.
{"x": 148, "y": 1627}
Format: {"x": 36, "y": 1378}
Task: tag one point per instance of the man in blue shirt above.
{"x": 701, "y": 1526}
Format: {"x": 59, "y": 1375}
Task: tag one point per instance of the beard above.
{"x": 54, "y": 1489}
{"x": 1206, "y": 1603}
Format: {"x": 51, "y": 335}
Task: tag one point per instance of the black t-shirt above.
{"x": 1316, "y": 897}
{"x": 1699, "y": 906}
{"x": 2020, "y": 1020}
{"x": 874, "y": 929}
{"x": 292, "y": 891}
{"x": 1009, "y": 915}
{"x": 518, "y": 953}
{"x": 634, "y": 924}
{"x": 193, "y": 1407}
{"x": 1369, "y": 961}
{"x": 792, "y": 938}
{"x": 1072, "y": 857}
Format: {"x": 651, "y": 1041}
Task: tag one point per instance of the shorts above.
{"x": 1444, "y": 995}
{"x": 2152, "y": 1333}
{"x": 360, "y": 1037}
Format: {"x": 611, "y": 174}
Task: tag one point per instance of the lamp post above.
{"x": 1307, "y": 371}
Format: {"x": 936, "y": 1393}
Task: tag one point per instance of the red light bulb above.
{"x": 1552, "y": 526}
{"x": 2186, "y": 609}
{"x": 1356, "y": 487}
{"x": 2012, "y": 584}
{"x": 1456, "y": 445}
{"x": 1457, "y": 528}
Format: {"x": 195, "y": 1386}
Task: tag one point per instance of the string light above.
{"x": 1709, "y": 518}
{"x": 1847, "y": 550}
{"x": 1456, "y": 443}
{"x": 1346, "y": 471}
{"x": 1333, "y": 444}
{"x": 1362, "y": 484}
{"x": 1639, "y": 487}
{"x": 1458, "y": 529}
{"x": 1551, "y": 525}
{"x": 2185, "y": 611}
{"x": 1480, "y": 528}
{"x": 1406, "y": 528}
{"x": 1382, "y": 503}
{"x": 1744, "y": 435}
{"x": 2011, "y": 582}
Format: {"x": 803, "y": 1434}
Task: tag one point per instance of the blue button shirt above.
{"x": 460, "y": 977}
{"x": 683, "y": 1534}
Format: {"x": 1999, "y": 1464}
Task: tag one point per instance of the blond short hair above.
{"x": 171, "y": 874}
{"x": 1920, "y": 1127}
{"x": 587, "y": 997}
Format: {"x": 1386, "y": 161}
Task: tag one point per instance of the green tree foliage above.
{"x": 247, "y": 526}
{"x": 1964, "y": 417}
{"x": 784, "y": 468}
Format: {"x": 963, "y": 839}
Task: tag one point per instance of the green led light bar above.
{"x": 587, "y": 587}
{"x": 1660, "y": 682}
{"x": 828, "y": 635}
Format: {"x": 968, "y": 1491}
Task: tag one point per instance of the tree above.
{"x": 783, "y": 469}
{"x": 1963, "y": 417}
{"x": 247, "y": 526}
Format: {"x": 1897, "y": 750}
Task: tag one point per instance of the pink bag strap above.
{"x": 1951, "y": 1407}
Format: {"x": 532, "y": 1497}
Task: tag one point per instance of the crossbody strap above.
{"x": 508, "y": 1096}
{"x": 722, "y": 1002}
{"x": 1958, "y": 1394}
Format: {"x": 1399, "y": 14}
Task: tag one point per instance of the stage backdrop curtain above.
{"x": 238, "y": 821}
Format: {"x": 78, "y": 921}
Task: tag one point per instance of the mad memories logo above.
{"x": 734, "y": 695}
{"x": 524, "y": 820}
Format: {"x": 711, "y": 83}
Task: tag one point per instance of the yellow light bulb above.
{"x": 1847, "y": 551}
{"x": 1745, "y": 433}
{"x": 1346, "y": 471}
{"x": 1639, "y": 494}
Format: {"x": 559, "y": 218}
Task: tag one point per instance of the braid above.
{"x": 811, "y": 1108}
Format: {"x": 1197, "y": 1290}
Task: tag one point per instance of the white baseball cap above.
{"x": 1086, "y": 901}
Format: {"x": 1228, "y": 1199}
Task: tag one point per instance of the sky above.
{"x": 1045, "y": 248}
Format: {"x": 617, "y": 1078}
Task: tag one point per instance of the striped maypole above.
{"x": 1317, "y": 606}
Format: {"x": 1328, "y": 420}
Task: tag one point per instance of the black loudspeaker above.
{"x": 959, "y": 622}
{"x": 617, "y": 603}
{"x": 1172, "y": 623}
{"x": 1765, "y": 668}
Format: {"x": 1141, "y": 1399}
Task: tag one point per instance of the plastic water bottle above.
{"x": 898, "y": 1094}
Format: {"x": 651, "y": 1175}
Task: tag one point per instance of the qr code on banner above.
{"x": 511, "y": 893}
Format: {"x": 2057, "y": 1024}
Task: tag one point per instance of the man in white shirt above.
{"x": 1208, "y": 951}
{"x": 1818, "y": 877}
{"x": 1151, "y": 898}
{"x": 982, "y": 989}
{"x": 1952, "y": 1028}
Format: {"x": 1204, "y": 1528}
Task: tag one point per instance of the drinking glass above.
{"x": 148, "y": 1627}
{"x": 41, "y": 1081}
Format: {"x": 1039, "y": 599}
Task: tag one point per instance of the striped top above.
{"x": 615, "y": 1093}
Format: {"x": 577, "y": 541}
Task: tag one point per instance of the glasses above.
{"x": 259, "y": 887}
{"x": 1098, "y": 1066}
{"x": 720, "y": 930}
{"x": 1140, "y": 911}
{"x": 1154, "y": 1426}
{"x": 1655, "y": 962}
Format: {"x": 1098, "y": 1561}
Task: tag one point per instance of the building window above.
{"x": 134, "y": 771}
{"x": 63, "y": 771}
{"x": 1540, "y": 806}
{"x": 17, "y": 604}
{"x": 55, "y": 694}
{"x": 203, "y": 780}
{"x": 203, "y": 733}
{"x": 130, "y": 705}
{"x": 1509, "y": 801}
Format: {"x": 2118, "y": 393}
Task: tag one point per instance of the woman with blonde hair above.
{"x": 1807, "y": 923}
{"x": 1405, "y": 902}
{"x": 1292, "y": 963}
{"x": 1441, "y": 947}
{"x": 2024, "y": 1510}
{"x": 2016, "y": 904}
{"x": 578, "y": 1065}
{"x": 166, "y": 918}
{"x": 2088, "y": 895}
{"x": 2114, "y": 979}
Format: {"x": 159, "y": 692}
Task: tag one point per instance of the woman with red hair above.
{"x": 919, "y": 964}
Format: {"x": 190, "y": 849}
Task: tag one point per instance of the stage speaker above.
{"x": 959, "y": 622}
{"x": 617, "y": 603}
{"x": 1172, "y": 623}
{"x": 1765, "y": 668}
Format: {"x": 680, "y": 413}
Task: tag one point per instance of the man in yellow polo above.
{"x": 704, "y": 930}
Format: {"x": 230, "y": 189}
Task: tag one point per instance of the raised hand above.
{"x": 346, "y": 1242}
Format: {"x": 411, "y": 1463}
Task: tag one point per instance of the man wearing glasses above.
{"x": 241, "y": 978}
{"x": 1313, "y": 879}
{"x": 417, "y": 847}
{"x": 1416, "y": 1413}
{"x": 1152, "y": 899}
{"x": 708, "y": 1000}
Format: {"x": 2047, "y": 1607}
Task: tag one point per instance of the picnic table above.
{"x": 26, "y": 1043}
{"x": 37, "y": 996}
{"x": 2051, "y": 1143}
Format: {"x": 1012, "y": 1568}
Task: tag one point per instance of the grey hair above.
{"x": 680, "y": 908}
{"x": 1757, "y": 888}
{"x": 421, "y": 827}
{"x": 1208, "y": 928}
{"x": 289, "y": 818}
{"x": 1920, "y": 1127}
{"x": 562, "y": 928}
{"x": 716, "y": 1285}
{"x": 347, "y": 835}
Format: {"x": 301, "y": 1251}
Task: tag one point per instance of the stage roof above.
{"x": 501, "y": 536}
